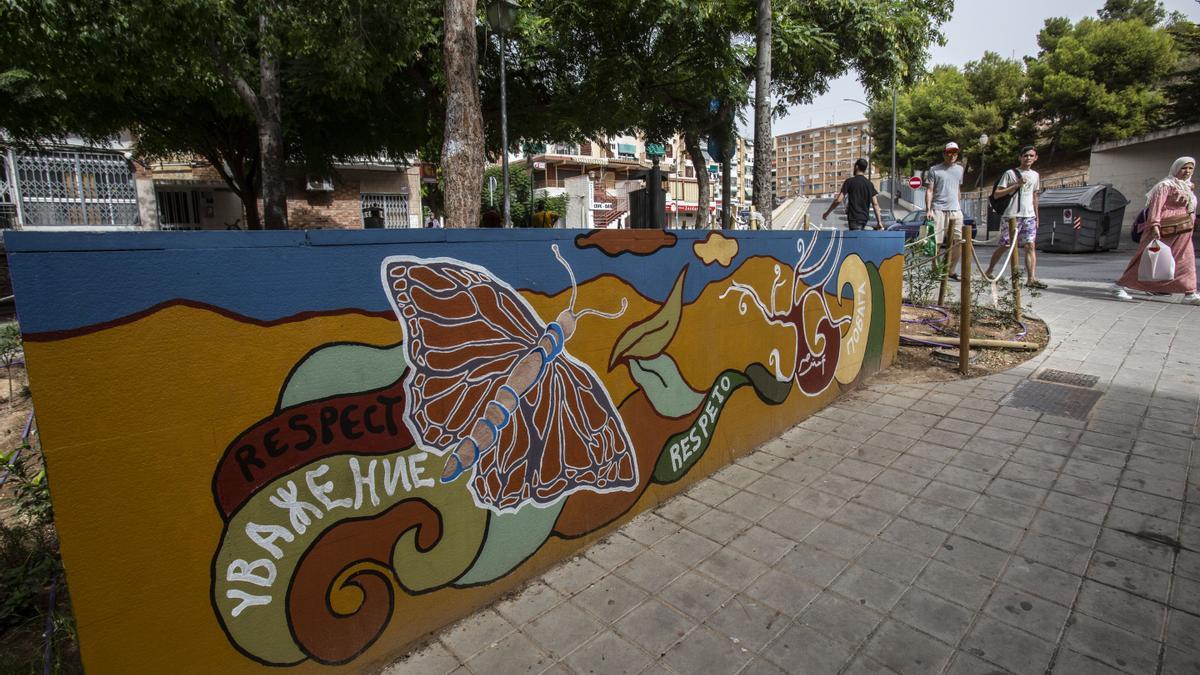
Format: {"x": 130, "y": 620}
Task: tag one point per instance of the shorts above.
{"x": 1026, "y": 231}
{"x": 856, "y": 224}
{"x": 944, "y": 219}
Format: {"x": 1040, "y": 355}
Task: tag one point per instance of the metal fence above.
{"x": 75, "y": 188}
{"x": 1075, "y": 180}
{"x": 8, "y": 205}
{"x": 395, "y": 208}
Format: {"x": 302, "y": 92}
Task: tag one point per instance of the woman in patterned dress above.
{"x": 1171, "y": 217}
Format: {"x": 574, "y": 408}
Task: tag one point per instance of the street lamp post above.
{"x": 502, "y": 16}
{"x": 895, "y": 188}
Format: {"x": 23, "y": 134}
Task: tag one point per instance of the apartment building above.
{"x": 814, "y": 162}
{"x": 79, "y": 186}
{"x": 598, "y": 175}
{"x": 189, "y": 194}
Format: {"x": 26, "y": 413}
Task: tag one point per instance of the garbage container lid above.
{"x": 1090, "y": 197}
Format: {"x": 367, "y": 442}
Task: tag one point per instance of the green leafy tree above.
{"x": 1094, "y": 80}
{"x": 519, "y": 189}
{"x": 1183, "y": 90}
{"x": 1149, "y": 12}
{"x": 936, "y": 110}
{"x": 666, "y": 67}
{"x": 314, "y": 81}
{"x": 984, "y": 97}
{"x": 1099, "y": 81}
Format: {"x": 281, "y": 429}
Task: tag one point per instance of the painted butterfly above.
{"x": 494, "y": 387}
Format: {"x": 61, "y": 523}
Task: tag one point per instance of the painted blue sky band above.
{"x": 67, "y": 281}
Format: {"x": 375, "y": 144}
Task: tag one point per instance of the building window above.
{"x": 395, "y": 208}
{"x": 565, "y": 149}
{"x": 76, "y": 188}
{"x": 177, "y": 209}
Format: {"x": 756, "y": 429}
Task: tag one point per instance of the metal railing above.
{"x": 76, "y": 188}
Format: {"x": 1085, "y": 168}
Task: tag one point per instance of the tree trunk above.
{"x": 462, "y": 149}
{"x": 240, "y": 173}
{"x": 763, "y": 143}
{"x": 250, "y": 176}
{"x": 726, "y": 197}
{"x": 270, "y": 134}
{"x": 691, "y": 141}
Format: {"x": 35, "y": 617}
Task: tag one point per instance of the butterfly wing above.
{"x": 464, "y": 330}
{"x": 566, "y": 436}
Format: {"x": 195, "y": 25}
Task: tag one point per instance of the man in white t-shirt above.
{"x": 1024, "y": 184}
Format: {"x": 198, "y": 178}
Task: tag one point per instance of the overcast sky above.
{"x": 1009, "y": 28}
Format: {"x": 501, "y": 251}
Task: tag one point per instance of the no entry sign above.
{"x": 914, "y": 182}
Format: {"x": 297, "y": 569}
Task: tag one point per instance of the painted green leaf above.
{"x": 874, "y": 356}
{"x": 650, "y": 336}
{"x": 343, "y": 369}
{"x": 511, "y": 539}
{"x": 664, "y": 386}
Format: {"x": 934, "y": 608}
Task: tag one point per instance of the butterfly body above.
{"x": 500, "y": 409}
{"x": 493, "y": 388}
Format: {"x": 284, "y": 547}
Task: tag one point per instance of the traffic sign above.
{"x": 914, "y": 182}
{"x": 1068, "y": 216}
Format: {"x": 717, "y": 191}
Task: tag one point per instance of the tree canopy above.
{"x": 350, "y": 75}
{"x": 366, "y": 78}
{"x": 1092, "y": 80}
{"x": 1183, "y": 90}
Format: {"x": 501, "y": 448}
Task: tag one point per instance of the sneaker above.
{"x": 1191, "y": 299}
{"x": 1036, "y": 283}
{"x": 1120, "y": 293}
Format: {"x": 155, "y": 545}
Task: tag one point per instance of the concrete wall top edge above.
{"x": 32, "y": 242}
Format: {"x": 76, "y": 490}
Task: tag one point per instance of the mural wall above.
{"x": 306, "y": 450}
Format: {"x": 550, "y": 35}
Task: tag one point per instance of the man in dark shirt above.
{"x": 858, "y": 193}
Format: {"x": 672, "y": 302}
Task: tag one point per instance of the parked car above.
{"x": 888, "y": 221}
{"x": 910, "y": 225}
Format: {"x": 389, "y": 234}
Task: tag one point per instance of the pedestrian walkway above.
{"x": 981, "y": 526}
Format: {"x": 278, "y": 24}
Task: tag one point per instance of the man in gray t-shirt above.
{"x": 942, "y": 185}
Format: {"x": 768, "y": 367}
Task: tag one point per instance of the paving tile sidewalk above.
{"x": 930, "y": 528}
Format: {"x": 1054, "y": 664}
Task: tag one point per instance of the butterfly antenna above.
{"x": 606, "y": 315}
{"x": 570, "y": 273}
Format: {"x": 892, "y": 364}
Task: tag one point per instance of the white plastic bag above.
{"x": 1158, "y": 262}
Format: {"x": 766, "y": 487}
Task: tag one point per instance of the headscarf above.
{"x": 1184, "y": 187}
